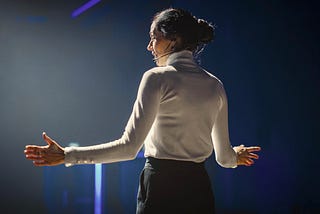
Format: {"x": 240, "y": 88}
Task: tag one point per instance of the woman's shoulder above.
{"x": 161, "y": 70}
{"x": 156, "y": 74}
{"x": 213, "y": 77}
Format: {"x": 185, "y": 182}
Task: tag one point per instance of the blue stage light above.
{"x": 98, "y": 185}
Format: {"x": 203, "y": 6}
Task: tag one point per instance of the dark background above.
{"x": 77, "y": 78}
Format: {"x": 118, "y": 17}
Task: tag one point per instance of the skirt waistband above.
{"x": 155, "y": 163}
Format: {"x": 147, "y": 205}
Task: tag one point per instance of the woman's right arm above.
{"x": 126, "y": 148}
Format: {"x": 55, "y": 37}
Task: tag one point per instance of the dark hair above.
{"x": 194, "y": 33}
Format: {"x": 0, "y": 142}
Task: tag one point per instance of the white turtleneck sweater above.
{"x": 180, "y": 113}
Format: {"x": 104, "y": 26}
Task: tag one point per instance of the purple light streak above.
{"x": 84, "y": 7}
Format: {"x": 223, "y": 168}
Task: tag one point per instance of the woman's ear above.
{"x": 173, "y": 46}
{"x": 176, "y": 41}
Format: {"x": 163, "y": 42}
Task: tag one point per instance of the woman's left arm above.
{"x": 227, "y": 156}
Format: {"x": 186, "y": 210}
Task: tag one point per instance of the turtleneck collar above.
{"x": 184, "y": 58}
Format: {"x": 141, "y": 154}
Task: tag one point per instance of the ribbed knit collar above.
{"x": 184, "y": 58}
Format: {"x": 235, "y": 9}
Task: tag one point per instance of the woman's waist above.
{"x": 172, "y": 164}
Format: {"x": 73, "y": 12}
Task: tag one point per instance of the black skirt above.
{"x": 169, "y": 186}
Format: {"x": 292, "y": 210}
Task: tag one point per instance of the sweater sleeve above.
{"x": 224, "y": 153}
{"x": 126, "y": 148}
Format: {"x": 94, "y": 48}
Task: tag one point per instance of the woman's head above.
{"x": 181, "y": 26}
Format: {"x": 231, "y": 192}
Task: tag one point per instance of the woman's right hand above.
{"x": 49, "y": 155}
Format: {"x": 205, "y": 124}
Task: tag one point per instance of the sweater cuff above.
{"x": 69, "y": 160}
{"x": 76, "y": 155}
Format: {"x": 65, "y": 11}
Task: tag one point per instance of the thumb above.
{"x": 47, "y": 139}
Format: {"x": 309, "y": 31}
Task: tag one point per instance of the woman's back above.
{"x": 190, "y": 99}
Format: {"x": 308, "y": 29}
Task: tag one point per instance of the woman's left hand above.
{"x": 245, "y": 155}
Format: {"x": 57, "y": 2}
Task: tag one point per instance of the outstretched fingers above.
{"x": 251, "y": 151}
{"x": 48, "y": 139}
{"x": 253, "y": 148}
{"x": 48, "y": 155}
{"x": 41, "y": 163}
{"x": 253, "y": 155}
{"x": 247, "y": 155}
{"x": 34, "y": 150}
{"x": 250, "y": 155}
{"x": 248, "y": 162}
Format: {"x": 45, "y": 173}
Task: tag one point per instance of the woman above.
{"x": 180, "y": 116}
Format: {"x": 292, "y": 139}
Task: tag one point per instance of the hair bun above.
{"x": 206, "y": 31}
{"x": 194, "y": 33}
